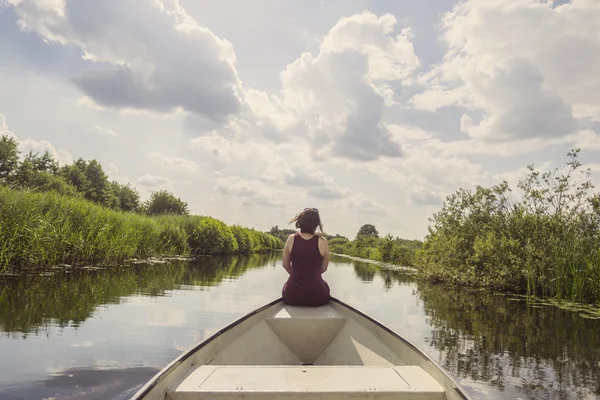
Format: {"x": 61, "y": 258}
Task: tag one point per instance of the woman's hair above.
{"x": 308, "y": 220}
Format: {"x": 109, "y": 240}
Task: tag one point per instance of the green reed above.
{"x": 47, "y": 229}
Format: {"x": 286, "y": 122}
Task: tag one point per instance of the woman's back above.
{"x": 305, "y": 259}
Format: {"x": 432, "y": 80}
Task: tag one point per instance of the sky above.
{"x": 371, "y": 111}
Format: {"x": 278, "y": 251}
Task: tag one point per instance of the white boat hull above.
{"x": 284, "y": 352}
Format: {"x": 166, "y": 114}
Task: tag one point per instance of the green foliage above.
{"x": 544, "y": 243}
{"x": 163, "y": 202}
{"x": 125, "y": 197}
{"x": 242, "y": 238}
{"x": 9, "y": 157}
{"x": 47, "y": 229}
{"x": 367, "y": 230}
{"x": 369, "y": 246}
{"x": 282, "y": 234}
{"x": 212, "y": 236}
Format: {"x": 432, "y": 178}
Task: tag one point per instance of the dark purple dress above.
{"x": 305, "y": 286}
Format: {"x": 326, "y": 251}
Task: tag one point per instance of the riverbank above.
{"x": 542, "y": 242}
{"x": 45, "y": 229}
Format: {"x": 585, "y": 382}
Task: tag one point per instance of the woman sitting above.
{"x": 305, "y": 258}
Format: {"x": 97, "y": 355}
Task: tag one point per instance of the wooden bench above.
{"x": 211, "y": 382}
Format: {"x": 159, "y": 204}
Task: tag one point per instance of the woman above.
{"x": 305, "y": 258}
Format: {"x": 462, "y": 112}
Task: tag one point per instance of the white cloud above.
{"x": 4, "y": 131}
{"x": 335, "y": 99}
{"x": 175, "y": 163}
{"x": 233, "y": 150}
{"x": 155, "y": 182}
{"x": 105, "y": 131}
{"x": 420, "y": 195}
{"x": 111, "y": 169}
{"x": 40, "y": 146}
{"x": 250, "y": 192}
{"x": 35, "y": 146}
{"x": 150, "y": 55}
{"x": 329, "y": 192}
{"x": 362, "y": 205}
{"x": 530, "y": 67}
{"x": 389, "y": 57}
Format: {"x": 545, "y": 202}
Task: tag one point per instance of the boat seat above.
{"x": 306, "y": 331}
{"x": 294, "y": 382}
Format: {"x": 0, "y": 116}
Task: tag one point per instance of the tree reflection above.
{"x": 29, "y": 304}
{"x": 367, "y": 272}
{"x": 544, "y": 351}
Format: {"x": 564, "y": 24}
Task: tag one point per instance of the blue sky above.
{"x": 371, "y": 111}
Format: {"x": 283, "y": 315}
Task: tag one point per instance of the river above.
{"x": 100, "y": 334}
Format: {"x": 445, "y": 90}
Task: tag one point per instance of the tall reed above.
{"x": 47, "y": 229}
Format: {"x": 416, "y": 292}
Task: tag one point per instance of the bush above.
{"x": 545, "y": 243}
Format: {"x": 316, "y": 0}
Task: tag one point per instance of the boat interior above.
{"x": 327, "y": 352}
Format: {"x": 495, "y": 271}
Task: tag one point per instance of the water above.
{"x": 101, "y": 334}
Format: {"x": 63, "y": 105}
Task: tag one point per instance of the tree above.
{"x": 128, "y": 198}
{"x": 44, "y": 163}
{"x": 9, "y": 157}
{"x": 367, "y": 230}
{"x": 163, "y": 202}
{"x": 75, "y": 175}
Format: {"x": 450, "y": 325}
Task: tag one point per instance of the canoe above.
{"x": 285, "y": 352}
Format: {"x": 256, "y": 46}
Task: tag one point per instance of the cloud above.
{"x": 518, "y": 106}
{"x": 336, "y": 99}
{"x": 35, "y": 146}
{"x": 361, "y": 205}
{"x": 155, "y": 182}
{"x": 389, "y": 58}
{"x": 4, "y": 131}
{"x": 529, "y": 67}
{"x": 233, "y": 150}
{"x": 329, "y": 192}
{"x": 420, "y": 195}
{"x": 175, "y": 163}
{"x": 250, "y": 192}
{"x": 297, "y": 174}
{"x": 318, "y": 182}
{"x": 105, "y": 131}
{"x": 150, "y": 55}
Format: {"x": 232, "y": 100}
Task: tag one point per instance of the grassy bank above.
{"x": 388, "y": 249}
{"x": 543, "y": 241}
{"x": 44, "y": 229}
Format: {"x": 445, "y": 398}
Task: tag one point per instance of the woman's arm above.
{"x": 287, "y": 250}
{"x": 324, "y": 248}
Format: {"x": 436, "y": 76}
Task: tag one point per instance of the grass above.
{"x": 39, "y": 230}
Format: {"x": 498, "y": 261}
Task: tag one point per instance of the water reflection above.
{"x": 67, "y": 298}
{"x": 103, "y": 333}
{"x": 91, "y": 383}
{"x": 367, "y": 272}
{"x": 545, "y": 352}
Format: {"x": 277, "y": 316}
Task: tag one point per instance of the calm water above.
{"x": 102, "y": 334}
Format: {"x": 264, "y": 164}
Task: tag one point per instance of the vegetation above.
{"x": 545, "y": 242}
{"x": 369, "y": 245}
{"x": 48, "y": 229}
{"x": 72, "y": 214}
